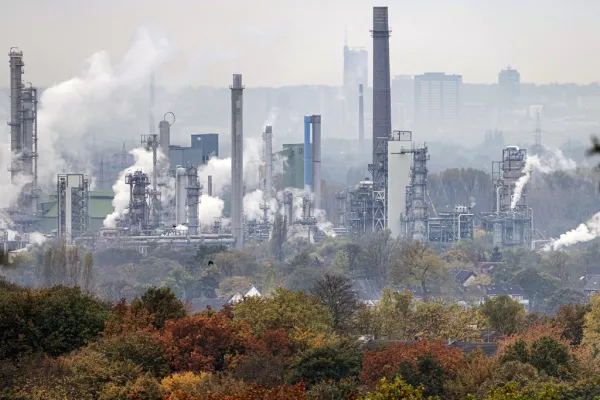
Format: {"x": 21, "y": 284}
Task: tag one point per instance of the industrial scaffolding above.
{"x": 453, "y": 226}
{"x": 24, "y": 138}
{"x": 415, "y": 220}
{"x": 151, "y": 143}
{"x": 73, "y": 205}
{"x": 139, "y": 211}
{"x": 509, "y": 226}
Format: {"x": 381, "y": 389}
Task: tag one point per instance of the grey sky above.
{"x": 284, "y": 42}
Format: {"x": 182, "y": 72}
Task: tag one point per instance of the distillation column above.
{"x": 164, "y": 134}
{"x": 193, "y": 199}
{"x": 16, "y": 87}
{"x": 180, "y": 196}
{"x": 237, "y": 160}
{"x": 307, "y": 174}
{"x": 316, "y": 161}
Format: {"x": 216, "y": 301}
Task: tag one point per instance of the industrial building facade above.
{"x": 437, "y": 97}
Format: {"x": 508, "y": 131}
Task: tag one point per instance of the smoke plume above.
{"x": 583, "y": 233}
{"x": 551, "y": 161}
{"x": 209, "y": 209}
{"x": 98, "y": 103}
{"x": 144, "y": 163}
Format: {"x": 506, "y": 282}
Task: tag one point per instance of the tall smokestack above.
{"x": 307, "y": 174}
{"x": 237, "y": 160}
{"x": 382, "y": 115}
{"x": 268, "y": 138}
{"x": 193, "y": 199}
{"x": 151, "y": 127}
{"x": 316, "y": 160}
{"x": 361, "y": 119}
{"x": 209, "y": 183}
{"x": 16, "y": 87}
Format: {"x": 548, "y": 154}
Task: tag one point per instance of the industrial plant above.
{"x": 159, "y": 199}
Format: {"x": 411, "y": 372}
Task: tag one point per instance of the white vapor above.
{"x": 99, "y": 103}
{"x": 209, "y": 209}
{"x": 553, "y": 160}
{"x": 583, "y": 233}
{"x": 144, "y": 163}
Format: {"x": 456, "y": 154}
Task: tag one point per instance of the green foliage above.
{"x": 426, "y": 373}
{"x": 303, "y": 279}
{"x": 538, "y": 286}
{"x": 571, "y": 319}
{"x": 397, "y": 389}
{"x": 54, "y": 320}
{"x": 517, "y": 352}
{"x": 140, "y": 348}
{"x": 162, "y": 304}
{"x": 511, "y": 391}
{"x": 327, "y": 390}
{"x": 549, "y": 356}
{"x": 503, "y": 314}
{"x": 331, "y": 362}
{"x": 278, "y": 237}
{"x": 285, "y": 310}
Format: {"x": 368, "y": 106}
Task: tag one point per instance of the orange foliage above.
{"x": 205, "y": 342}
{"x": 380, "y": 363}
{"x": 125, "y": 318}
{"x": 532, "y": 334}
{"x": 251, "y": 392}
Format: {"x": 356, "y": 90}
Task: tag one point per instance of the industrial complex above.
{"x": 164, "y": 196}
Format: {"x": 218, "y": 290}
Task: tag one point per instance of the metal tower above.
{"x": 193, "y": 192}
{"x": 139, "y": 213}
{"x": 537, "y": 135}
{"x": 150, "y": 143}
{"x": 73, "y": 205}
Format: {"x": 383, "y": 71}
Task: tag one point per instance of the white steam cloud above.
{"x": 583, "y": 233}
{"x": 209, "y": 209}
{"x": 144, "y": 163}
{"x": 99, "y": 102}
{"x": 551, "y": 161}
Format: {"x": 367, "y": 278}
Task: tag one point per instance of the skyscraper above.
{"x": 509, "y": 82}
{"x": 437, "y": 97}
{"x": 356, "y": 62}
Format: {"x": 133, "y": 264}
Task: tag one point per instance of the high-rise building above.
{"x": 356, "y": 61}
{"x": 509, "y": 82}
{"x": 403, "y": 101}
{"x": 437, "y": 97}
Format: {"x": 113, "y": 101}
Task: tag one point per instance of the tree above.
{"x": 331, "y": 362}
{"x": 140, "y": 348}
{"x": 549, "y": 356}
{"x": 397, "y": 389}
{"x": 162, "y": 304}
{"x": 341, "y": 262}
{"x": 278, "y": 237}
{"x": 284, "y": 310}
{"x": 415, "y": 262}
{"x": 378, "y": 247}
{"x": 231, "y": 285}
{"x": 385, "y": 362}
{"x": 303, "y": 279}
{"x": 565, "y": 296}
{"x": 204, "y": 342}
{"x": 503, "y": 314}
{"x": 558, "y": 263}
{"x": 570, "y": 319}
{"x": 426, "y": 373}
{"x": 337, "y": 295}
{"x": 591, "y": 330}
{"x": 537, "y": 286}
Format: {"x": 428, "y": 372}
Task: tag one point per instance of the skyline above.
{"x": 211, "y": 40}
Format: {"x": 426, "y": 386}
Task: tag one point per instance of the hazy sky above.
{"x": 285, "y": 42}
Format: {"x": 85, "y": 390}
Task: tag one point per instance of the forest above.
{"x": 112, "y": 323}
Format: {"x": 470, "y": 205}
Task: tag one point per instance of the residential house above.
{"x": 464, "y": 277}
{"x": 240, "y": 295}
{"x": 592, "y": 286}
{"x": 515, "y": 292}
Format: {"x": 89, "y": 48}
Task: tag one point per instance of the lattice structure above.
{"x": 73, "y": 205}
{"x": 139, "y": 210}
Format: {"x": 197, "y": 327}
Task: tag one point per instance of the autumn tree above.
{"x": 379, "y": 247}
{"x": 396, "y": 389}
{"x": 591, "y": 330}
{"x": 285, "y": 310}
{"x": 162, "y": 304}
{"x": 335, "y": 292}
{"x": 558, "y": 263}
{"x": 425, "y": 372}
{"x": 571, "y": 320}
{"x": 204, "y": 342}
{"x": 503, "y": 314}
{"x": 414, "y": 261}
